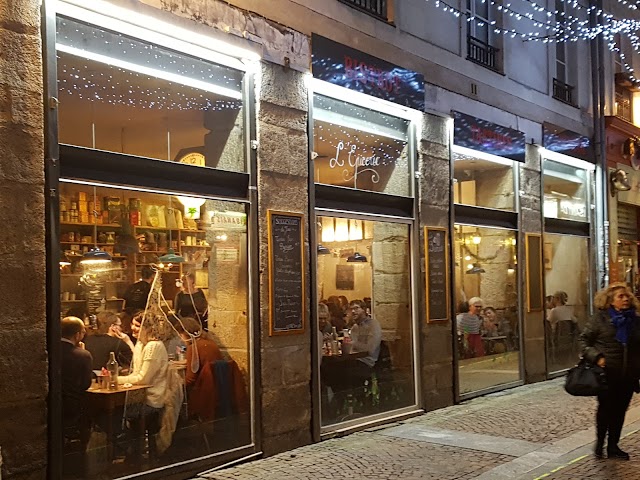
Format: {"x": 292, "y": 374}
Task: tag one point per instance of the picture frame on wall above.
{"x": 345, "y": 278}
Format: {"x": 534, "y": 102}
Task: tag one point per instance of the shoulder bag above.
{"x": 585, "y": 380}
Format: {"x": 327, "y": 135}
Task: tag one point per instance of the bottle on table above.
{"x": 335, "y": 346}
{"x": 112, "y": 368}
{"x": 346, "y": 342}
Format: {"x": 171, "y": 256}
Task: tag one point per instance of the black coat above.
{"x": 76, "y": 378}
{"x": 598, "y": 339}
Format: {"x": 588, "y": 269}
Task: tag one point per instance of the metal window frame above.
{"x": 363, "y": 205}
{"x": 106, "y": 167}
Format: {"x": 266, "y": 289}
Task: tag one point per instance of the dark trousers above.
{"x": 612, "y": 407}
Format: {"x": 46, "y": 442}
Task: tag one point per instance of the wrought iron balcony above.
{"x": 563, "y": 92}
{"x": 377, "y": 8}
{"x": 482, "y": 53}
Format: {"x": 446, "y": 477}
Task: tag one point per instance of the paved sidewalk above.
{"x": 531, "y": 432}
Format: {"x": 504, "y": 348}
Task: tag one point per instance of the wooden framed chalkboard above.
{"x": 286, "y": 273}
{"x": 436, "y": 253}
{"x": 535, "y": 295}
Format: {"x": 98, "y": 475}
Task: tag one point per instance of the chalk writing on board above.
{"x": 437, "y": 274}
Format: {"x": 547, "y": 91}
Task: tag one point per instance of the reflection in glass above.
{"x": 360, "y": 148}
{"x": 483, "y": 180}
{"x": 364, "y": 318}
{"x": 487, "y": 307}
{"x": 565, "y": 192}
{"x": 114, "y": 433}
{"x": 127, "y": 96}
{"x": 568, "y": 298}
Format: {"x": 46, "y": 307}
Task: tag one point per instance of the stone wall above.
{"x": 436, "y": 342}
{"x": 283, "y": 185}
{"x": 23, "y": 354}
{"x": 535, "y": 368}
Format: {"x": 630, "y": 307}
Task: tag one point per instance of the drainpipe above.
{"x": 602, "y": 177}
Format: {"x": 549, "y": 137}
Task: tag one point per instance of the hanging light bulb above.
{"x": 476, "y": 238}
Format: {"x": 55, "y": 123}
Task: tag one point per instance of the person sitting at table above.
{"x": 109, "y": 338}
{"x": 324, "y": 319}
{"x": 470, "y": 325}
{"x": 366, "y": 335}
{"x": 149, "y": 367}
{"x": 489, "y": 322}
{"x": 76, "y": 379}
{"x": 191, "y": 301}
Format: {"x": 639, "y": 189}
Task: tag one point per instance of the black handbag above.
{"x": 585, "y": 380}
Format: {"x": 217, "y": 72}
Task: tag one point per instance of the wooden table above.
{"x": 103, "y": 400}
{"x": 491, "y": 341}
{"x": 343, "y": 357}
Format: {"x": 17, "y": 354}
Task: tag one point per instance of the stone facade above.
{"x": 436, "y": 340}
{"x": 283, "y": 185}
{"x": 23, "y": 352}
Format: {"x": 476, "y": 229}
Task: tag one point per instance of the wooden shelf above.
{"x": 195, "y": 246}
{"x": 142, "y": 227}
{"x": 73, "y": 301}
{"x": 106, "y": 225}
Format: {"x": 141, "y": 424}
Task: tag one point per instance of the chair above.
{"x": 383, "y": 366}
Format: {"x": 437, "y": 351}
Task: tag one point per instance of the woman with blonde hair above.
{"x": 611, "y": 339}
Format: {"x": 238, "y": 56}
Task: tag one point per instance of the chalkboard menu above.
{"x": 286, "y": 273}
{"x": 436, "y": 252}
{"x": 535, "y": 297}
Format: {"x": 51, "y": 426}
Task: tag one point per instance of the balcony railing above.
{"x": 563, "y": 92}
{"x": 623, "y": 104}
{"x": 482, "y": 53}
{"x": 377, "y": 8}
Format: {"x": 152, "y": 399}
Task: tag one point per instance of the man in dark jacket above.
{"x": 76, "y": 378}
{"x": 109, "y": 338}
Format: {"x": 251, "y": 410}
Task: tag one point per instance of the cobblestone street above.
{"x": 531, "y": 432}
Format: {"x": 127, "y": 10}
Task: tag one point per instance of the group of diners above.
{"x": 352, "y": 318}
{"x": 477, "y": 325}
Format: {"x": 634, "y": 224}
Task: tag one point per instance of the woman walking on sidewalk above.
{"x": 611, "y": 339}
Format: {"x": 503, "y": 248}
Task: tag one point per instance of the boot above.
{"x": 598, "y": 451}
{"x": 616, "y": 453}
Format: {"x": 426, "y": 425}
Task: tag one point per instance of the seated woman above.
{"x": 489, "y": 322}
{"x": 149, "y": 367}
{"x": 202, "y": 352}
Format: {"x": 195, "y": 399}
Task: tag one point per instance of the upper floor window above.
{"x": 377, "y": 8}
{"x": 562, "y": 84}
{"x": 480, "y": 37}
{"x": 623, "y": 103}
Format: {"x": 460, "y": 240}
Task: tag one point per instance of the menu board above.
{"x": 286, "y": 273}
{"x": 535, "y": 296}
{"x": 436, "y": 252}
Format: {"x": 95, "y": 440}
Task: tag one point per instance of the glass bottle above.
{"x": 334, "y": 341}
{"x": 112, "y": 368}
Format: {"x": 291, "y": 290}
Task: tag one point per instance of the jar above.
{"x": 111, "y": 237}
{"x": 135, "y": 206}
{"x": 102, "y": 237}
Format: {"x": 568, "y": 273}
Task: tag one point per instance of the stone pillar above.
{"x": 23, "y": 354}
{"x": 436, "y": 342}
{"x": 283, "y": 185}
{"x": 535, "y": 368}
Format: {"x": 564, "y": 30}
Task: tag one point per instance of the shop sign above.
{"x": 630, "y": 196}
{"x": 487, "y": 137}
{"x": 344, "y": 66}
{"x": 228, "y": 220}
{"x": 561, "y": 140}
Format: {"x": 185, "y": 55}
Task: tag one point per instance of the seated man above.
{"x": 76, "y": 378}
{"x": 109, "y": 338}
{"x": 366, "y": 335}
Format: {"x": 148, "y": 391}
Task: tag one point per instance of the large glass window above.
{"x": 486, "y": 292}
{"x": 127, "y": 96}
{"x": 565, "y": 192}
{"x": 356, "y": 147}
{"x": 567, "y": 300}
{"x": 483, "y": 180}
{"x": 364, "y": 317}
{"x": 179, "y": 266}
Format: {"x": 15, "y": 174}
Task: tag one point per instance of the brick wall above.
{"x": 23, "y": 356}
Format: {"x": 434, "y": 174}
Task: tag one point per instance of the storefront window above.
{"x": 486, "y": 290}
{"x": 364, "y": 317}
{"x": 127, "y": 96}
{"x": 483, "y": 180}
{"x": 360, "y": 148}
{"x": 565, "y": 192}
{"x": 182, "y": 391}
{"x": 568, "y": 297}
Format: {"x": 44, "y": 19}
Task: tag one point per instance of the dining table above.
{"x": 103, "y": 401}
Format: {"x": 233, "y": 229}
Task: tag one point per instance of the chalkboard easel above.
{"x": 436, "y": 258}
{"x": 286, "y": 273}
